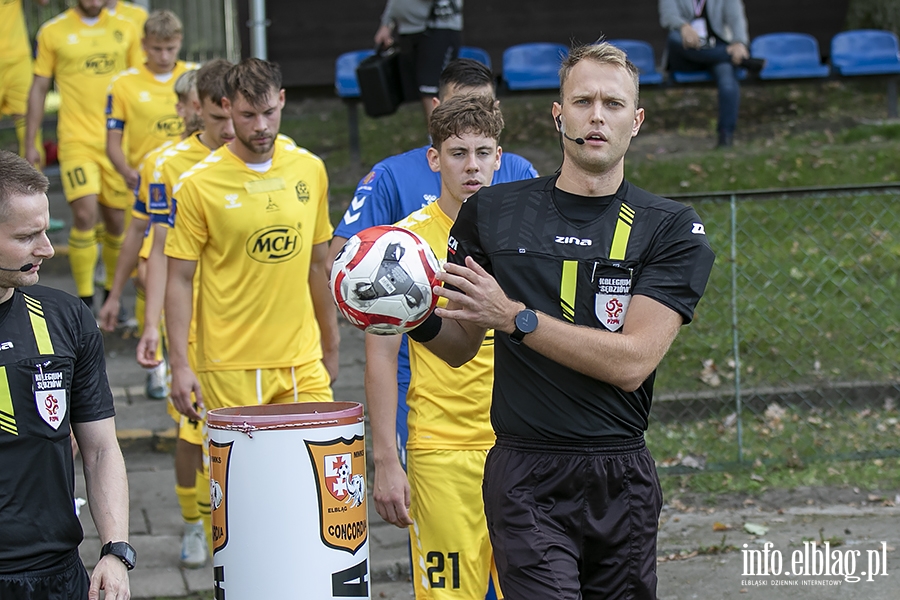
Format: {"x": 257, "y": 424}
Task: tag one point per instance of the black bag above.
{"x": 379, "y": 82}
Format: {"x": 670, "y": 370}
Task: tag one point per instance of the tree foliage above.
{"x": 874, "y": 14}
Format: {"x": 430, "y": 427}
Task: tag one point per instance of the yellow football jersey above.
{"x": 252, "y": 235}
{"x": 136, "y": 15}
{"x": 14, "y": 44}
{"x": 449, "y": 409}
{"x": 83, "y": 59}
{"x": 172, "y": 164}
{"x": 142, "y": 104}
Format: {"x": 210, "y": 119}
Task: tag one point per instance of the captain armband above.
{"x": 428, "y": 330}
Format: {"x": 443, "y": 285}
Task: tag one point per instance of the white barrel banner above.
{"x": 288, "y": 491}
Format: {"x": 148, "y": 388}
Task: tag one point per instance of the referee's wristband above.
{"x": 428, "y": 330}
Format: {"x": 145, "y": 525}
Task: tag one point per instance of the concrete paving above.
{"x": 703, "y": 553}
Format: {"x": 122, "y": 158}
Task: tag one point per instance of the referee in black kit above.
{"x": 587, "y": 280}
{"x": 52, "y": 378}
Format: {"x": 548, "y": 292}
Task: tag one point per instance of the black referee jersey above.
{"x": 580, "y": 260}
{"x": 52, "y": 373}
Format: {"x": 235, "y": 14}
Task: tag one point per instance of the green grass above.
{"x": 776, "y": 451}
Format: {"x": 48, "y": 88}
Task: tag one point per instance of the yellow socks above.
{"x": 187, "y": 499}
{"x": 83, "y": 260}
{"x": 112, "y": 244}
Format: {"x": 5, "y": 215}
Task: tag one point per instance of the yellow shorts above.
{"x": 303, "y": 383}
{"x": 147, "y": 242}
{"x": 86, "y": 170}
{"x": 189, "y": 431}
{"x": 451, "y": 551}
{"x": 15, "y": 83}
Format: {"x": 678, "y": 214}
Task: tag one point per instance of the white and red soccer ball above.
{"x": 382, "y": 279}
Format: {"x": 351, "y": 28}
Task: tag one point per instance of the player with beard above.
{"x": 81, "y": 50}
{"x": 252, "y": 218}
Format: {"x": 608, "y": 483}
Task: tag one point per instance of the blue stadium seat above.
{"x": 346, "y": 85}
{"x": 788, "y": 56}
{"x": 641, "y": 54}
{"x": 692, "y": 76}
{"x": 474, "y": 53}
{"x": 533, "y": 66}
{"x": 345, "y": 82}
{"x": 701, "y": 76}
{"x": 865, "y": 52}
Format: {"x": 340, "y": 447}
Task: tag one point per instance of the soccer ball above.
{"x": 382, "y": 279}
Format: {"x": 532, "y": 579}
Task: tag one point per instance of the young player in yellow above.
{"x": 141, "y": 100}
{"x": 82, "y": 49}
{"x": 16, "y": 69}
{"x": 192, "y": 485}
{"x": 253, "y": 217}
{"x": 217, "y": 131}
{"x": 439, "y": 498}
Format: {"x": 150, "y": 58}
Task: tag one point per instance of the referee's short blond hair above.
{"x": 18, "y": 178}
{"x": 603, "y": 53}
{"x": 163, "y": 24}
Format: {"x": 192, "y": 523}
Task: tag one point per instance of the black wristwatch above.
{"x": 121, "y": 550}
{"x": 526, "y": 322}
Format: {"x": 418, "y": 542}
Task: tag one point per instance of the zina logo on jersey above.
{"x": 340, "y": 467}
{"x": 100, "y": 64}
{"x": 274, "y": 244}
{"x": 219, "y": 457}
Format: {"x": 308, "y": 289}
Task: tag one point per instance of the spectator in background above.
{"x": 711, "y": 35}
{"x": 428, "y": 34}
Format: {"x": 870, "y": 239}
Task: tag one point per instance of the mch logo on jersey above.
{"x": 611, "y": 301}
{"x": 100, "y": 64}
{"x": 274, "y": 244}
{"x": 340, "y": 467}
{"x": 170, "y": 126}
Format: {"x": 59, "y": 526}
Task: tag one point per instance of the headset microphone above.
{"x": 562, "y": 132}
{"x": 23, "y": 269}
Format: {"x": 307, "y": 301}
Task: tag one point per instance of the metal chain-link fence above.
{"x": 793, "y": 355}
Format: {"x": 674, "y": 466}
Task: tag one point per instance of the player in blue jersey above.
{"x": 404, "y": 183}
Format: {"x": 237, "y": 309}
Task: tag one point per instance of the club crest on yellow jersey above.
{"x": 302, "y": 191}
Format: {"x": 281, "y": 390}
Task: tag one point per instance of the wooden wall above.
{"x": 305, "y": 41}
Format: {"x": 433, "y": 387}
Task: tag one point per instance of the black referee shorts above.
{"x": 68, "y": 581}
{"x": 574, "y": 521}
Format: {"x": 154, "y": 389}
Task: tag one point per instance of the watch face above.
{"x": 526, "y": 321}
{"x": 122, "y": 550}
